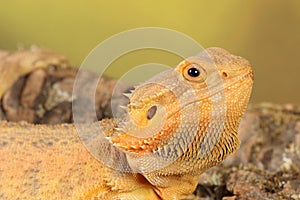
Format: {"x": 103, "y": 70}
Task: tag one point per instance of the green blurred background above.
{"x": 265, "y": 32}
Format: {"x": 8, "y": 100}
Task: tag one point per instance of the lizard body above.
{"x": 170, "y": 118}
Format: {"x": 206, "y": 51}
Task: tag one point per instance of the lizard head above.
{"x": 200, "y": 99}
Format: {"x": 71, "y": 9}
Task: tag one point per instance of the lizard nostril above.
{"x": 224, "y": 74}
{"x": 151, "y": 112}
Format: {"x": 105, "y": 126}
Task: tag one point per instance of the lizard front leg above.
{"x": 174, "y": 187}
{"x": 123, "y": 186}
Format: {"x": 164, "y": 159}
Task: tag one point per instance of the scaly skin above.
{"x": 177, "y": 126}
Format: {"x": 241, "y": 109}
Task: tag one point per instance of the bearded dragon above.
{"x": 178, "y": 124}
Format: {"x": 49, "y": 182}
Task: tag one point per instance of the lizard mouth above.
{"x": 251, "y": 75}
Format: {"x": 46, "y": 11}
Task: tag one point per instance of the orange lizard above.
{"x": 178, "y": 125}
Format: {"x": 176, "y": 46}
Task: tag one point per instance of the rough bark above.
{"x": 44, "y": 93}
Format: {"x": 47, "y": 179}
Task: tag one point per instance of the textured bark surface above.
{"x": 44, "y": 94}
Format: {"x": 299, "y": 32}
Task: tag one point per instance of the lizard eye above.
{"x": 151, "y": 112}
{"x": 193, "y": 72}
